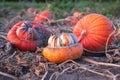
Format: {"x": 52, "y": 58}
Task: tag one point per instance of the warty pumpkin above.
{"x": 43, "y": 16}
{"x": 62, "y": 47}
{"x": 26, "y": 35}
{"x": 93, "y": 31}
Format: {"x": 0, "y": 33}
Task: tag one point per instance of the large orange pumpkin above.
{"x": 93, "y": 31}
{"x": 62, "y": 47}
{"x": 26, "y": 35}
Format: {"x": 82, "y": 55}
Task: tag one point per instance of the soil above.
{"x": 17, "y": 65}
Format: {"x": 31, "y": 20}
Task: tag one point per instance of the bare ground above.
{"x": 18, "y": 65}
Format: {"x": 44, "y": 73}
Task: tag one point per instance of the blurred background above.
{"x": 61, "y": 8}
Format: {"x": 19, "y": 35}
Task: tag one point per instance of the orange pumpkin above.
{"x": 27, "y": 35}
{"x": 93, "y": 31}
{"x": 75, "y": 18}
{"x": 77, "y": 14}
{"x": 43, "y": 16}
{"x": 62, "y": 47}
{"x": 73, "y": 21}
{"x": 118, "y": 32}
{"x": 30, "y": 10}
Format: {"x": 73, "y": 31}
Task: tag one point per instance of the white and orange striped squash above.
{"x": 62, "y": 47}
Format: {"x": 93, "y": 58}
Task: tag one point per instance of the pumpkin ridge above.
{"x": 79, "y": 23}
{"x": 89, "y": 24}
{"x": 103, "y": 38}
{"x": 98, "y": 29}
{"x": 96, "y": 43}
{"x": 87, "y": 20}
{"x": 84, "y": 24}
{"x": 95, "y": 26}
{"x": 98, "y": 39}
{"x": 95, "y": 20}
{"x": 99, "y": 34}
{"x": 85, "y": 43}
{"x": 101, "y": 23}
{"x": 100, "y": 19}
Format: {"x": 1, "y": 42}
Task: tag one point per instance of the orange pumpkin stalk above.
{"x": 93, "y": 31}
{"x": 43, "y": 16}
{"x": 62, "y": 47}
{"x": 27, "y": 35}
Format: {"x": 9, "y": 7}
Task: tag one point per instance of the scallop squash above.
{"x": 62, "y": 47}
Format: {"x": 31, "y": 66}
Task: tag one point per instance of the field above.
{"x": 31, "y": 65}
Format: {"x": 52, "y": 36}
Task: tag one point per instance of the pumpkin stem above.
{"x": 83, "y": 33}
{"x": 106, "y": 45}
{"x": 28, "y": 24}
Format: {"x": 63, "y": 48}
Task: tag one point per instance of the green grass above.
{"x": 109, "y": 9}
{"x": 23, "y": 5}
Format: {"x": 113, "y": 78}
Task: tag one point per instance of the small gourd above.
{"x": 62, "y": 47}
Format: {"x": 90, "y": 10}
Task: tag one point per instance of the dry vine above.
{"x": 8, "y": 75}
{"x": 79, "y": 66}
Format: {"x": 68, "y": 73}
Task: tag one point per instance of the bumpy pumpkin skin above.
{"x": 62, "y": 47}
{"x": 22, "y": 38}
{"x": 97, "y": 28}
